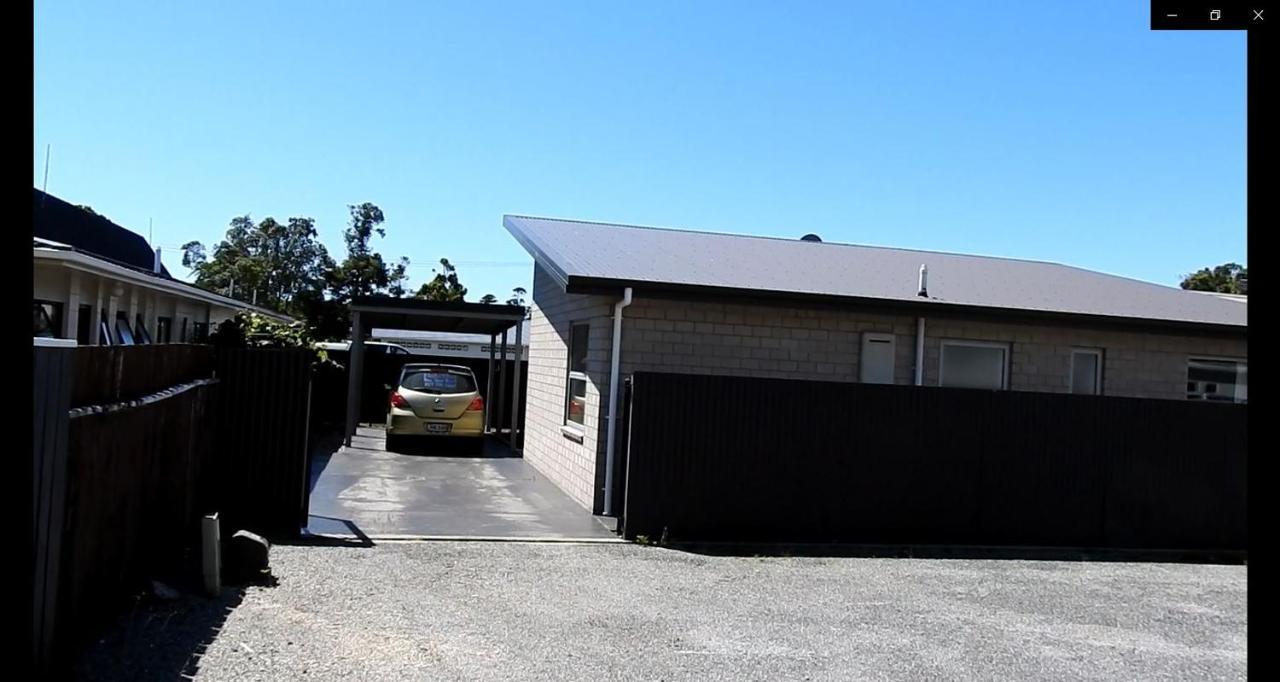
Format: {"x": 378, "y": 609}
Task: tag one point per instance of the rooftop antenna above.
{"x": 149, "y": 231}
{"x": 44, "y": 188}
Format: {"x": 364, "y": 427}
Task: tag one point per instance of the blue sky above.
{"x": 1062, "y": 131}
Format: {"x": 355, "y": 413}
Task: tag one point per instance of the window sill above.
{"x": 572, "y": 433}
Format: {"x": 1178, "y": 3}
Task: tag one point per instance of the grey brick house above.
{"x": 698, "y": 302}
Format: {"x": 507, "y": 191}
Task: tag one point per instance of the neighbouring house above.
{"x": 99, "y": 284}
{"x": 609, "y": 300}
{"x": 444, "y": 345}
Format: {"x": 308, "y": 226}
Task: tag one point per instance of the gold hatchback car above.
{"x": 434, "y": 400}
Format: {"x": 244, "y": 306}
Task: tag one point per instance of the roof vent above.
{"x": 811, "y": 238}
{"x": 924, "y": 281}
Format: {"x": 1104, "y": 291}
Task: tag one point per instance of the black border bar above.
{"x": 1222, "y": 15}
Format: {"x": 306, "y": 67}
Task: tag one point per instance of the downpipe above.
{"x": 614, "y": 392}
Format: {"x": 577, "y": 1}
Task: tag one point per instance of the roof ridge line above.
{"x": 789, "y": 240}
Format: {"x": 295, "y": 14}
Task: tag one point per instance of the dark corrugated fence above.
{"x": 118, "y": 489}
{"x": 262, "y": 411}
{"x": 742, "y": 459}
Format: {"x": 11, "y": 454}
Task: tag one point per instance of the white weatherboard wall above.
{"x": 73, "y": 288}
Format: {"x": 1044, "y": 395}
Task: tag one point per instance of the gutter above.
{"x": 615, "y": 361}
{"x": 96, "y": 266}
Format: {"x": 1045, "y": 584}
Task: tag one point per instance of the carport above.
{"x": 385, "y": 312}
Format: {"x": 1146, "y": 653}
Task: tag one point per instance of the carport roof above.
{"x": 385, "y": 312}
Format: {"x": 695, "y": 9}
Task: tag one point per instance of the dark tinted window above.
{"x": 48, "y": 319}
{"x": 84, "y": 324}
{"x": 439, "y": 381}
{"x": 578, "y": 348}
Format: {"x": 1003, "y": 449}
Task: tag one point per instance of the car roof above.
{"x": 433, "y": 365}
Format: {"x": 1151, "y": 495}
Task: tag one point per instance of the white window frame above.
{"x": 1097, "y": 375}
{"x": 1219, "y": 358}
{"x": 1005, "y": 347}
{"x": 874, "y": 337}
{"x": 572, "y": 376}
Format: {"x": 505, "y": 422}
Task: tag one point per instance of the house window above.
{"x": 140, "y": 330}
{"x": 84, "y": 324}
{"x": 48, "y": 319}
{"x": 183, "y": 336}
{"x": 200, "y": 332}
{"x": 124, "y": 335}
{"x": 876, "y": 362}
{"x": 104, "y": 330}
{"x": 1086, "y": 372}
{"x": 1224, "y": 381}
{"x": 164, "y": 330}
{"x": 576, "y": 390}
{"x": 974, "y": 364}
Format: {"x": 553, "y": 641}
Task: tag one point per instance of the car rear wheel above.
{"x": 395, "y": 443}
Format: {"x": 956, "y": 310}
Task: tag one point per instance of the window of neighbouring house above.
{"x": 183, "y": 334}
{"x": 1225, "y": 381}
{"x": 104, "y": 330}
{"x": 140, "y": 330}
{"x": 576, "y": 389}
{"x": 164, "y": 330}
{"x": 200, "y": 332}
{"x": 974, "y": 364}
{"x": 1086, "y": 372}
{"x": 84, "y": 324}
{"x": 124, "y": 334}
{"x": 876, "y": 361}
{"x": 48, "y": 319}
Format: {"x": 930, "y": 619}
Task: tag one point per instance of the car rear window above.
{"x": 439, "y": 381}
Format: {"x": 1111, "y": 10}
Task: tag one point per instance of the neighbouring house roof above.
{"x": 586, "y": 256}
{"x": 58, "y": 221}
{"x": 69, "y": 235}
{"x": 54, "y": 254}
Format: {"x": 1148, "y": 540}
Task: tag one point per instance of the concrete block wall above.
{"x": 575, "y": 467}
{"x": 824, "y": 344}
{"x": 821, "y": 344}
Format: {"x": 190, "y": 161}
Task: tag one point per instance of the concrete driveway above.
{"x": 441, "y": 492}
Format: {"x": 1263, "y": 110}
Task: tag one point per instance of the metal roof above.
{"x": 449, "y": 337}
{"x": 584, "y": 256}
{"x": 56, "y": 220}
{"x": 385, "y": 312}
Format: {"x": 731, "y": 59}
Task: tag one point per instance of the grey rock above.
{"x": 162, "y": 591}
{"x": 246, "y": 558}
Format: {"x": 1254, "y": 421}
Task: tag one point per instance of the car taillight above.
{"x": 398, "y": 400}
{"x": 476, "y": 405}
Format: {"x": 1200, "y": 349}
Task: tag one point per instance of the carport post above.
{"x": 488, "y": 388}
{"x": 515, "y": 386}
{"x": 355, "y": 373}
{"x": 502, "y": 383}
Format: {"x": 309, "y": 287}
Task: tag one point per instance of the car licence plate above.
{"x": 438, "y": 428}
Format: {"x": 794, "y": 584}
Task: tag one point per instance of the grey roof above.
{"x": 450, "y": 337}
{"x": 585, "y": 255}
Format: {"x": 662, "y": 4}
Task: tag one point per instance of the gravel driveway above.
{"x": 498, "y": 611}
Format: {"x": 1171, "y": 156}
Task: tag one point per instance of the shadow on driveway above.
{"x": 434, "y": 490}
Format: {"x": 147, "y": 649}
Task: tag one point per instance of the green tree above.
{"x": 488, "y": 299}
{"x": 269, "y": 263}
{"x": 1229, "y": 278}
{"x": 363, "y": 272}
{"x": 517, "y": 296}
{"x": 444, "y": 286}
